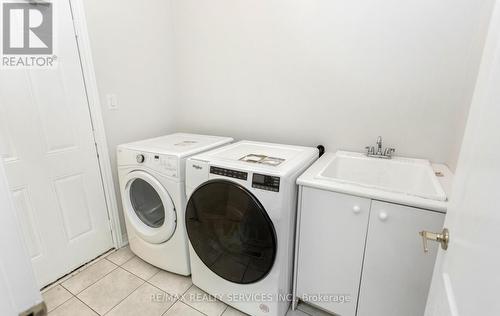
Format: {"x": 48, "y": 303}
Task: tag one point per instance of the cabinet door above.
{"x": 331, "y": 243}
{"x": 396, "y": 271}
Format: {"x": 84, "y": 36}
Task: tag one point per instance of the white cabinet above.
{"x": 331, "y": 244}
{"x": 396, "y": 271}
{"x": 348, "y": 245}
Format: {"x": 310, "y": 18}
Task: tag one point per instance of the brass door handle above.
{"x": 443, "y": 238}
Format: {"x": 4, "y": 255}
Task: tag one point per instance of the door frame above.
{"x": 95, "y": 109}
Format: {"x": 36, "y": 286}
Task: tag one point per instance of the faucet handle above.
{"x": 389, "y": 151}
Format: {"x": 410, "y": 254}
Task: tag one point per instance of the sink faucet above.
{"x": 379, "y": 145}
{"x": 380, "y": 153}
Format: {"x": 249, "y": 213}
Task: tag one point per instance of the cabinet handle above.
{"x": 356, "y": 209}
{"x": 383, "y": 216}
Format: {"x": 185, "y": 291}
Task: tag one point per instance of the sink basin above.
{"x": 400, "y": 175}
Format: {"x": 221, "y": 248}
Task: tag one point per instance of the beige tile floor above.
{"x": 121, "y": 284}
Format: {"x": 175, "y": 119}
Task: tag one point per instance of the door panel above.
{"x": 26, "y": 216}
{"x": 54, "y": 110}
{"x": 51, "y": 162}
{"x": 396, "y": 271}
{"x": 72, "y": 201}
{"x": 231, "y": 232}
{"x": 331, "y": 245}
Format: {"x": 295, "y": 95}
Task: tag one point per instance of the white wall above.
{"x": 334, "y": 72}
{"x": 132, "y": 52}
{"x": 306, "y": 72}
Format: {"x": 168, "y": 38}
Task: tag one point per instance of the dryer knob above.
{"x": 140, "y": 158}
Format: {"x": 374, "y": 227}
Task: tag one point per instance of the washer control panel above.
{"x": 265, "y": 182}
{"x": 165, "y": 164}
{"x": 229, "y": 173}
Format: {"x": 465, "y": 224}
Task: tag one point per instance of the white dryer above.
{"x": 151, "y": 174}
{"x": 240, "y": 220}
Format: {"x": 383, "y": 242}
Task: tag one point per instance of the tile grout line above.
{"x": 192, "y": 308}
{"x": 175, "y": 299}
{"x": 58, "y": 306}
{"x": 170, "y": 307}
{"x": 225, "y": 309}
{"x": 303, "y": 311}
{"x": 144, "y": 282}
{"x": 121, "y": 265}
{"x": 61, "y": 303}
{"x": 164, "y": 290}
{"x": 133, "y": 256}
{"x": 138, "y": 275}
{"x": 85, "y": 267}
{"x": 76, "y": 271}
{"x": 87, "y": 306}
{"x": 179, "y": 300}
{"x": 115, "y": 268}
{"x": 186, "y": 303}
{"x": 118, "y": 267}
{"x": 82, "y": 269}
{"x": 124, "y": 298}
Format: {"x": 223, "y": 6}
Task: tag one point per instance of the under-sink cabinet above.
{"x": 358, "y": 256}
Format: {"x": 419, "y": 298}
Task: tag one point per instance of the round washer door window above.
{"x": 147, "y": 203}
{"x": 231, "y": 232}
{"x": 149, "y": 208}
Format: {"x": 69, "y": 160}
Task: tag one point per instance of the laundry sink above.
{"x": 414, "y": 177}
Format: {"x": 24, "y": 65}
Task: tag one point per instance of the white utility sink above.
{"x": 414, "y": 177}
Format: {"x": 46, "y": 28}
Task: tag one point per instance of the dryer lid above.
{"x": 178, "y": 144}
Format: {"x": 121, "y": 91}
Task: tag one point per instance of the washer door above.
{"x": 149, "y": 208}
{"x": 231, "y": 232}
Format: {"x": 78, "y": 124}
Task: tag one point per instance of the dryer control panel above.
{"x": 265, "y": 182}
{"x": 165, "y": 164}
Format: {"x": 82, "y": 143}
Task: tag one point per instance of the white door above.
{"x": 327, "y": 265}
{"x": 395, "y": 261}
{"x": 47, "y": 144}
{"x": 466, "y": 278}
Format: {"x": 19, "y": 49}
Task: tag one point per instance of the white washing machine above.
{"x": 151, "y": 174}
{"x": 240, "y": 220}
